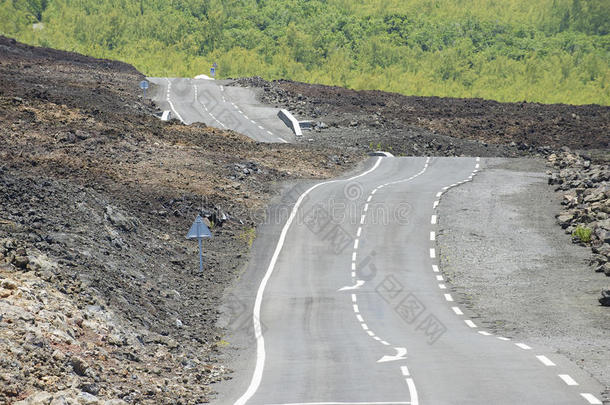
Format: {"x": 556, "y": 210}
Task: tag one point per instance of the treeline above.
{"x": 552, "y": 51}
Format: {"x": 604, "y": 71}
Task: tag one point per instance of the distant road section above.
{"x": 213, "y": 103}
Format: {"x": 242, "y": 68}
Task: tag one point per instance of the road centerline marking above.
{"x": 567, "y": 379}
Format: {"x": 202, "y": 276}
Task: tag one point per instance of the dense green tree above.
{"x": 546, "y": 50}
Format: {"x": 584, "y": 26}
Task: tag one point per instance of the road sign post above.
{"x": 199, "y": 230}
{"x": 144, "y": 86}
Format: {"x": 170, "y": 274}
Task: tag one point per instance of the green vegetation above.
{"x": 583, "y": 233}
{"x": 511, "y": 50}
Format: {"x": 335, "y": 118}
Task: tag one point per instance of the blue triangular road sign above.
{"x": 199, "y": 230}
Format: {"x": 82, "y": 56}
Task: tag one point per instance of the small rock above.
{"x": 605, "y": 298}
{"x": 79, "y": 366}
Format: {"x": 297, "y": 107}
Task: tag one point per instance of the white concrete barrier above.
{"x": 290, "y": 121}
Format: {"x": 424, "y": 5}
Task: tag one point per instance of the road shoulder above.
{"x": 514, "y": 268}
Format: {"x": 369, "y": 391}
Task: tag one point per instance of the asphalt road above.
{"x": 220, "y": 106}
{"x": 343, "y": 303}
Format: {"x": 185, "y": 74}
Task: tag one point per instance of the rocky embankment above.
{"x": 586, "y": 205}
{"x": 423, "y": 126}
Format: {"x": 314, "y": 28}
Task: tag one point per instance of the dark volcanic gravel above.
{"x": 438, "y": 126}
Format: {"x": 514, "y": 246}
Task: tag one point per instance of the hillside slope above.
{"x": 550, "y": 51}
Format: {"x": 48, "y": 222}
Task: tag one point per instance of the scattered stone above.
{"x": 605, "y": 298}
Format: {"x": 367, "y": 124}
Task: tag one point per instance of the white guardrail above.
{"x": 290, "y": 121}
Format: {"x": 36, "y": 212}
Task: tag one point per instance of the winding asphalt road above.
{"x": 343, "y": 303}
{"x": 220, "y": 106}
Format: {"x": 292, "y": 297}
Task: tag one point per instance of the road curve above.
{"x": 220, "y": 106}
{"x": 348, "y": 306}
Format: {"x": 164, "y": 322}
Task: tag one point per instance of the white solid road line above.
{"x": 591, "y": 398}
{"x": 171, "y": 105}
{"x": 412, "y": 391}
{"x": 546, "y": 361}
{"x": 343, "y": 403}
{"x": 405, "y": 371}
{"x": 567, "y": 379}
{"x": 257, "y": 376}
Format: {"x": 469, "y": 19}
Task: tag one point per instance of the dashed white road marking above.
{"x": 356, "y": 242}
{"x": 366, "y": 207}
{"x": 260, "y": 127}
{"x": 405, "y": 371}
{"x": 470, "y": 323}
{"x": 369, "y": 199}
{"x": 523, "y": 346}
{"x": 354, "y": 298}
{"x": 435, "y": 268}
{"x": 359, "y": 317}
{"x": 567, "y": 379}
{"x": 545, "y": 360}
{"x": 432, "y": 235}
{"x": 448, "y": 297}
{"x": 432, "y": 253}
{"x": 457, "y": 310}
{"x": 482, "y": 332}
{"x": 442, "y": 286}
{"x": 354, "y": 256}
{"x": 356, "y": 309}
{"x": 222, "y": 88}
{"x": 591, "y": 398}
{"x": 364, "y": 326}
{"x": 282, "y": 139}
{"x": 433, "y": 219}
{"x": 362, "y": 219}
{"x": 370, "y": 333}
{"x": 435, "y": 204}
{"x": 359, "y": 232}
{"x": 374, "y": 191}
{"x": 440, "y": 193}
{"x": 439, "y": 278}
{"x": 503, "y": 338}
{"x": 270, "y": 133}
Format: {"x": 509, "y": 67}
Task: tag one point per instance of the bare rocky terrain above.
{"x": 404, "y": 125}
{"x": 100, "y": 300}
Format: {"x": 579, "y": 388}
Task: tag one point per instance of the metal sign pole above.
{"x": 200, "y": 255}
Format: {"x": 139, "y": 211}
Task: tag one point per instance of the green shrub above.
{"x": 583, "y": 233}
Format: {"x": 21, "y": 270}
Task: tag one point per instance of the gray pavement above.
{"x": 344, "y": 304}
{"x": 217, "y": 105}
